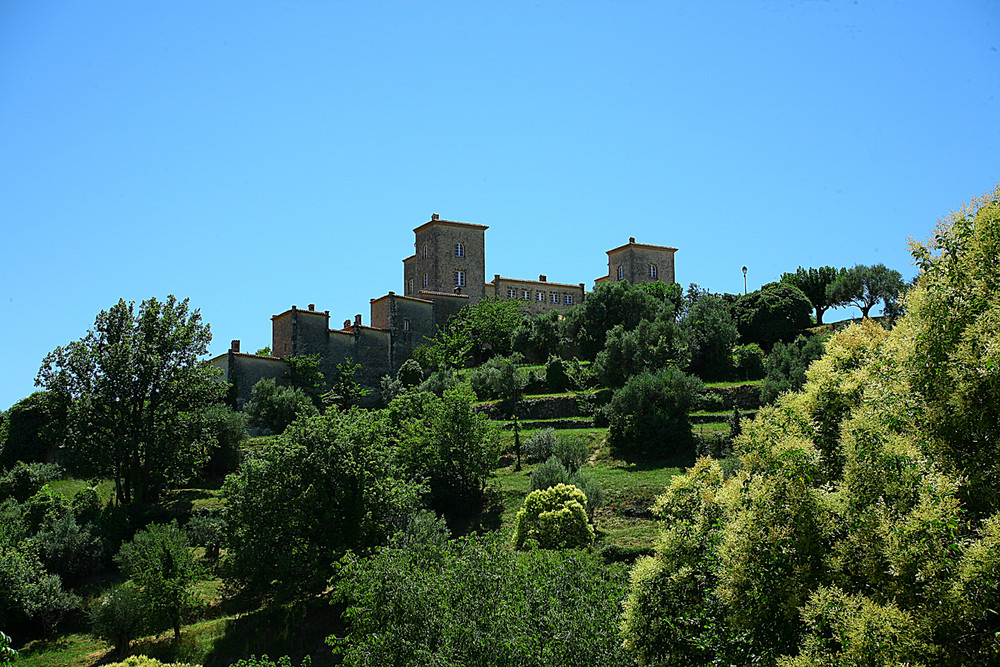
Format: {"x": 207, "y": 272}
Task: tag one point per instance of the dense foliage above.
{"x": 785, "y": 368}
{"x": 775, "y": 312}
{"x": 474, "y": 602}
{"x": 815, "y": 284}
{"x": 475, "y": 334}
{"x": 329, "y": 484}
{"x": 272, "y": 408}
{"x": 864, "y": 286}
{"x": 862, "y": 525}
{"x": 553, "y": 518}
{"x": 131, "y": 384}
{"x": 649, "y": 415}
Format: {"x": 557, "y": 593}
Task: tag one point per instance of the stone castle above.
{"x": 446, "y": 272}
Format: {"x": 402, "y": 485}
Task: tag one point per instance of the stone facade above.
{"x": 539, "y": 296}
{"x": 640, "y": 263}
{"x": 446, "y": 273}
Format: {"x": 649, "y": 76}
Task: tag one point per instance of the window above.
{"x": 409, "y": 286}
{"x": 621, "y": 273}
{"x": 425, "y": 251}
{"x": 406, "y": 325}
{"x": 460, "y": 278}
{"x": 541, "y": 297}
{"x": 554, "y": 298}
{"x": 568, "y": 299}
{"x": 511, "y": 293}
{"x": 652, "y": 271}
{"x": 427, "y": 280}
{"x": 459, "y": 250}
{"x": 525, "y": 295}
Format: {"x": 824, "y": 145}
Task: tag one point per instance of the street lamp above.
{"x": 744, "y": 281}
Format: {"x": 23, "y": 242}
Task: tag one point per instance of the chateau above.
{"x": 446, "y": 272}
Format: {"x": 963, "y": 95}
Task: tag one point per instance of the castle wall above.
{"x": 246, "y": 370}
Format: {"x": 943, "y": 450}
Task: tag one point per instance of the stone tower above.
{"x": 449, "y": 257}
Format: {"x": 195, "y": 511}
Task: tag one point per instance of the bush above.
{"x": 571, "y": 452}
{"x": 119, "y": 616}
{"x": 272, "y": 408}
{"x": 549, "y": 474}
{"x": 556, "y": 376}
{"x": 710, "y": 333}
{"x": 592, "y": 489}
{"x": 68, "y": 549}
{"x": 144, "y": 661}
{"x": 26, "y": 479}
{"x": 555, "y": 518}
{"x": 439, "y": 382}
{"x": 748, "y": 361}
{"x": 650, "y": 415}
{"x": 785, "y": 368}
{"x": 410, "y": 374}
{"x": 494, "y": 379}
{"x": 540, "y": 445}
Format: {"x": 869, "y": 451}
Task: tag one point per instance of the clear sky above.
{"x": 253, "y": 155}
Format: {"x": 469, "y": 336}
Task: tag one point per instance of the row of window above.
{"x": 459, "y": 250}
{"x": 525, "y": 295}
{"x": 652, "y": 272}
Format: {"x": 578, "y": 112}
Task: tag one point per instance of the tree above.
{"x": 272, "y": 408}
{"x": 650, "y": 414}
{"x": 328, "y": 485}
{"x": 777, "y": 311}
{"x": 159, "y": 562}
{"x": 345, "y": 391}
{"x": 129, "y": 384}
{"x": 815, "y": 284}
{"x": 864, "y": 286}
{"x": 588, "y": 323}
{"x": 473, "y": 335}
{"x": 31, "y": 428}
{"x": 710, "y": 334}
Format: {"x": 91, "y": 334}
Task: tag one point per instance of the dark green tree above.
{"x": 777, "y": 311}
{"x": 475, "y": 334}
{"x": 31, "y": 428}
{"x": 710, "y": 334}
{"x": 864, "y": 286}
{"x": 129, "y": 384}
{"x": 611, "y": 304}
{"x": 815, "y": 284}
{"x": 649, "y": 415}
{"x": 272, "y": 408}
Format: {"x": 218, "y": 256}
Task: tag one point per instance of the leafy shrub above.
{"x": 410, "y": 374}
{"x": 144, "y": 661}
{"x": 650, "y": 415}
{"x": 785, "y": 368}
{"x": 207, "y": 528}
{"x": 710, "y": 401}
{"x": 68, "y": 549}
{"x": 571, "y": 452}
{"x": 272, "y": 408}
{"x": 439, "y": 382}
{"x": 540, "y": 445}
{"x": 614, "y": 553}
{"x": 556, "y": 376}
{"x": 264, "y": 661}
{"x": 549, "y": 474}
{"x": 650, "y": 345}
{"x": 26, "y": 479}
{"x": 119, "y": 616}
{"x": 555, "y": 518}
{"x": 494, "y": 379}
{"x": 31, "y": 428}
{"x": 592, "y": 489}
{"x": 748, "y": 361}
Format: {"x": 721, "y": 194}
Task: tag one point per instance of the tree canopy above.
{"x": 815, "y": 284}
{"x": 131, "y": 384}
{"x": 864, "y": 286}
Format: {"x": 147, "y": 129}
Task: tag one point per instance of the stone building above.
{"x": 446, "y": 272}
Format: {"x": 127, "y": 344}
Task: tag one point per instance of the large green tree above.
{"x": 777, "y": 311}
{"x": 815, "y": 284}
{"x": 473, "y": 335}
{"x": 132, "y": 383}
{"x": 864, "y": 286}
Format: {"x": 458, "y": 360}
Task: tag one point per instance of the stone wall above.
{"x": 536, "y": 295}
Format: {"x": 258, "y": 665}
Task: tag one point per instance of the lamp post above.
{"x": 744, "y": 281}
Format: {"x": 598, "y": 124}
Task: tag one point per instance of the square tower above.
{"x": 640, "y": 263}
{"x": 450, "y": 258}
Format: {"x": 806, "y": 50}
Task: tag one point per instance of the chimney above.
{"x": 631, "y": 239}
{"x": 235, "y": 345}
{"x": 435, "y": 216}
{"x": 541, "y": 279}
{"x": 312, "y": 306}
{"x": 496, "y": 277}
{"x": 357, "y": 320}
{"x": 347, "y": 324}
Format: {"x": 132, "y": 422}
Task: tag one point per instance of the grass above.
{"x": 76, "y": 650}
{"x": 736, "y": 383}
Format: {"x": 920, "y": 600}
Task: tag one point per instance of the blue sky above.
{"x": 256, "y": 155}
